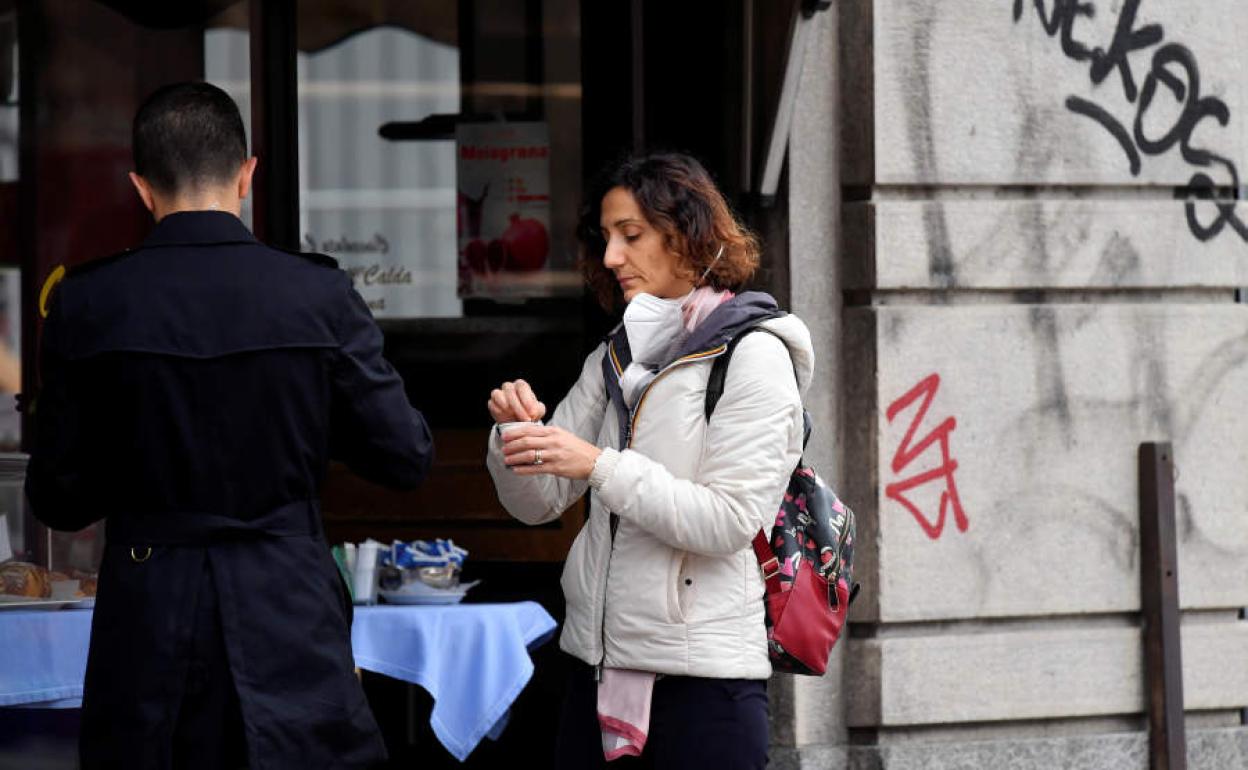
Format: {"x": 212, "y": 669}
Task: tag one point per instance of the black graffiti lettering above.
{"x": 1053, "y": 22}
{"x": 1195, "y": 108}
{"x": 1111, "y": 124}
{"x": 1071, "y": 47}
{"x": 1062, "y": 20}
{"x": 1126, "y": 40}
{"x": 1163, "y": 57}
{"x": 1173, "y": 66}
{"x": 1203, "y": 188}
{"x": 1186, "y": 90}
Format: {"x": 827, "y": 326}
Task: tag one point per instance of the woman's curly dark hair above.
{"x": 679, "y": 199}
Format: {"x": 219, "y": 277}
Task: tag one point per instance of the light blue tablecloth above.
{"x": 472, "y": 658}
{"x": 43, "y": 656}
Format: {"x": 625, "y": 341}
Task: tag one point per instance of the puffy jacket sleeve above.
{"x": 542, "y": 498}
{"x": 373, "y": 429}
{"x": 753, "y": 443}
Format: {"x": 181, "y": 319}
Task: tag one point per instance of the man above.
{"x": 192, "y": 391}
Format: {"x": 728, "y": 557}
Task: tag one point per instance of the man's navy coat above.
{"x": 192, "y": 392}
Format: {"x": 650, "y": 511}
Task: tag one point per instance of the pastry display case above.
{"x": 39, "y": 566}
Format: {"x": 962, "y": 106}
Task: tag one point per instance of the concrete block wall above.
{"x": 1032, "y": 288}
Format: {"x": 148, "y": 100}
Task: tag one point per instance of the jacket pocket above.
{"x": 576, "y": 572}
{"x": 678, "y": 598}
{"x": 687, "y": 585}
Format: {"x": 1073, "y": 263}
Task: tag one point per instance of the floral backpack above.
{"x": 807, "y": 561}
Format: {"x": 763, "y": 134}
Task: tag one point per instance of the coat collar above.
{"x": 194, "y": 228}
{"x": 724, "y": 323}
{"x": 708, "y": 340}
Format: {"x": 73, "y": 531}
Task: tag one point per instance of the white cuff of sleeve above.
{"x": 604, "y": 468}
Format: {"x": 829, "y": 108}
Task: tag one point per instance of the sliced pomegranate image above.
{"x": 475, "y": 255}
{"x": 496, "y": 254}
{"x": 527, "y": 244}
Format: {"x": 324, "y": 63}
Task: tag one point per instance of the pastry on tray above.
{"x": 19, "y": 578}
{"x": 86, "y": 585}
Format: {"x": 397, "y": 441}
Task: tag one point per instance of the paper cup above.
{"x": 364, "y": 577}
{"x": 503, "y": 427}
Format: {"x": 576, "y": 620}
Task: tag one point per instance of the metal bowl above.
{"x": 390, "y": 578}
{"x": 438, "y": 577}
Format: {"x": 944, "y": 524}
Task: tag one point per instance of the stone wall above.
{"x": 1032, "y": 288}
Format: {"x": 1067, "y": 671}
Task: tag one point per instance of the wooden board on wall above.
{"x": 456, "y": 501}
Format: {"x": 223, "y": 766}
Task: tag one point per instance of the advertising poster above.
{"x": 503, "y": 212}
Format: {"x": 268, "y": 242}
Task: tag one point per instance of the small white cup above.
{"x": 364, "y": 577}
{"x": 503, "y": 427}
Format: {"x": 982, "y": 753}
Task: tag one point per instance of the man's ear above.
{"x": 245, "y": 173}
{"x": 144, "y": 190}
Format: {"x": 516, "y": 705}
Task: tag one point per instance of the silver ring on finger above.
{"x": 537, "y": 457}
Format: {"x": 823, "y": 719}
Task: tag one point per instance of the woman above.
{"x": 664, "y": 594}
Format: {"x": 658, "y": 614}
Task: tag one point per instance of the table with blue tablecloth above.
{"x": 473, "y": 659}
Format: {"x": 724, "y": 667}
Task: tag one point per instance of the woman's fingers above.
{"x": 498, "y": 406}
{"x": 528, "y": 400}
{"x": 560, "y": 453}
{"x": 525, "y": 444}
{"x": 525, "y": 438}
{"x": 514, "y": 403}
{"x": 552, "y": 461}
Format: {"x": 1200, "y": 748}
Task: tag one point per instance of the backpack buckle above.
{"x": 771, "y": 568}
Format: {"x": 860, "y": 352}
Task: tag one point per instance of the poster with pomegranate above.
{"x": 503, "y": 212}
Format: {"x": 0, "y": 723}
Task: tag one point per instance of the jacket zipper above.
{"x": 628, "y": 442}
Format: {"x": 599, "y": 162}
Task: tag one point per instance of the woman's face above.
{"x": 637, "y": 253}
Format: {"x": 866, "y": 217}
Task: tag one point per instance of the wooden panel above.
{"x": 1012, "y": 675}
{"x": 457, "y": 500}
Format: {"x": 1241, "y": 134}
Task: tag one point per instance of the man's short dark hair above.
{"x": 187, "y": 136}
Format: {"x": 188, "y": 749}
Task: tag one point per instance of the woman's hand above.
{"x": 515, "y": 402}
{"x": 532, "y": 449}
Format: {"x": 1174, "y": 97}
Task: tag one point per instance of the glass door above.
{"x": 440, "y": 164}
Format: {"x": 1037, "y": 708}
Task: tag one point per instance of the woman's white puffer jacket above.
{"x": 680, "y": 590}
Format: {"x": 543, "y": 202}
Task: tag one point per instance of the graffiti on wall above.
{"x": 909, "y": 452}
{"x": 1173, "y": 67}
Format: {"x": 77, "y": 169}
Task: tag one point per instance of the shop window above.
{"x": 12, "y": 519}
{"x": 440, "y": 164}
{"x": 227, "y": 64}
{"x": 10, "y": 273}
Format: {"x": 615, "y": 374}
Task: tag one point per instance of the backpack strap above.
{"x": 719, "y": 371}
{"x": 768, "y": 562}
